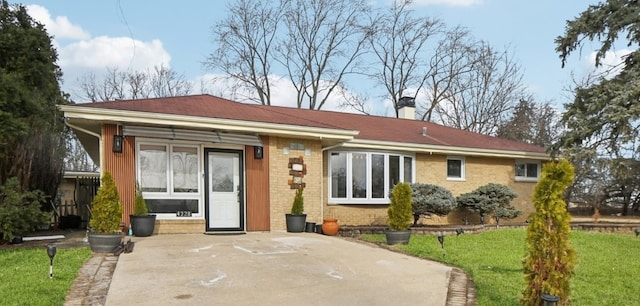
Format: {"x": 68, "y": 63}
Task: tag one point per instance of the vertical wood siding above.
{"x": 122, "y": 167}
{"x": 257, "y": 190}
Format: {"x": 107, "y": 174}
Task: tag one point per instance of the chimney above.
{"x": 407, "y": 108}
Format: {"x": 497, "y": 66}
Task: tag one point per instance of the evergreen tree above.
{"x": 32, "y": 144}
{"x": 551, "y": 258}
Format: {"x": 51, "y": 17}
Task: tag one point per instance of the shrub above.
{"x": 550, "y": 261}
{"x": 298, "y": 203}
{"x": 399, "y": 210}
{"x": 431, "y": 199}
{"x": 106, "y": 210}
{"x": 19, "y": 211}
{"x": 490, "y": 199}
{"x": 139, "y": 204}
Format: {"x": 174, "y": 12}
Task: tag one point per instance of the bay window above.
{"x": 168, "y": 175}
{"x": 366, "y": 177}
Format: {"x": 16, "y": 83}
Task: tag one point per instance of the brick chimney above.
{"x": 407, "y": 108}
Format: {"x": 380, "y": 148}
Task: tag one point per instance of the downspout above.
{"x": 322, "y": 178}
{"x": 90, "y": 133}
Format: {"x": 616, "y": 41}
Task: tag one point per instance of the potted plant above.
{"x": 106, "y": 213}
{"x": 142, "y": 223}
{"x": 296, "y": 220}
{"x": 400, "y": 215}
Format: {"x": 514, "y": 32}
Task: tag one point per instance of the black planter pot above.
{"x": 104, "y": 243}
{"x": 397, "y": 237}
{"x": 142, "y": 226}
{"x": 310, "y": 227}
{"x": 296, "y": 223}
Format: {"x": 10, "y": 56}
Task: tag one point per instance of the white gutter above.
{"x": 92, "y": 134}
{"x": 451, "y": 150}
{"x": 123, "y": 116}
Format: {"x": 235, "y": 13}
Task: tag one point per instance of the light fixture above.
{"x": 258, "y": 152}
{"x": 118, "y": 141}
{"x": 51, "y": 251}
{"x": 285, "y": 150}
{"x": 459, "y": 231}
{"x": 307, "y": 152}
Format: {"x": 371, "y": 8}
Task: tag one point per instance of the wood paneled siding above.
{"x": 257, "y": 189}
{"x": 122, "y": 167}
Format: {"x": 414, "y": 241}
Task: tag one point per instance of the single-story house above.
{"x": 209, "y": 164}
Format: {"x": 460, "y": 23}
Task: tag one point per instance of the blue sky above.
{"x": 91, "y": 35}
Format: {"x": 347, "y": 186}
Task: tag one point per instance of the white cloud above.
{"x": 121, "y": 52}
{"x": 612, "y": 59}
{"x": 60, "y": 27}
{"x": 448, "y": 2}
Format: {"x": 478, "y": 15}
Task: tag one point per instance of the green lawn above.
{"x": 606, "y": 274}
{"x": 24, "y": 275}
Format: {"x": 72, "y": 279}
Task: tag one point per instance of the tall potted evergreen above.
{"x": 297, "y": 218}
{"x": 142, "y": 223}
{"x": 400, "y": 215}
{"x": 106, "y": 213}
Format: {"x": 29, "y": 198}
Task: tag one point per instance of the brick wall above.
{"x": 177, "y": 226}
{"x": 281, "y": 193}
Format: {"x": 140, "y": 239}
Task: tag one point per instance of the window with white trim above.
{"x": 366, "y": 177}
{"x": 168, "y": 174}
{"x": 527, "y": 170}
{"x": 455, "y": 168}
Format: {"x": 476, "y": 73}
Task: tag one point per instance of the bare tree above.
{"x": 482, "y": 99}
{"x": 162, "y": 81}
{"x": 324, "y": 40}
{"x": 399, "y": 43}
{"x": 450, "y": 60}
{"x": 245, "y": 42}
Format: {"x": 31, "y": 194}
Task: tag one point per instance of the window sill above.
{"x": 456, "y": 179}
{"x": 527, "y": 179}
{"x": 358, "y": 202}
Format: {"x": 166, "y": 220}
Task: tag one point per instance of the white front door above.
{"x": 224, "y": 196}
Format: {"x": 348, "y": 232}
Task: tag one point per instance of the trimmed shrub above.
{"x": 106, "y": 210}
{"x": 551, "y": 259}
{"x": 139, "y": 205}
{"x": 431, "y": 199}
{"x": 298, "y": 203}
{"x": 19, "y": 211}
{"x": 490, "y": 199}
{"x": 399, "y": 210}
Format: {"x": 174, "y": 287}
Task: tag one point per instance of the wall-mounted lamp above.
{"x": 258, "y": 152}
{"x": 285, "y": 150}
{"x": 307, "y": 152}
{"x": 118, "y": 141}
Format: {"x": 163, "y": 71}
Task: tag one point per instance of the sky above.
{"x": 132, "y": 35}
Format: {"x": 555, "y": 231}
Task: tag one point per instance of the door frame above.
{"x": 241, "y": 169}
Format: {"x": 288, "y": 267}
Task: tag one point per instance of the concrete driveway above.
{"x": 275, "y": 268}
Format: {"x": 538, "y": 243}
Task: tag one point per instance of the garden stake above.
{"x": 51, "y": 251}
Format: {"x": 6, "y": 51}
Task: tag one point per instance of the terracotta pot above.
{"x": 330, "y": 226}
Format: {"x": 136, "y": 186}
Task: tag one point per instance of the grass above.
{"x": 606, "y": 273}
{"x": 24, "y": 275}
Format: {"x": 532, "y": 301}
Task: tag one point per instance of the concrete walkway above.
{"x": 275, "y": 268}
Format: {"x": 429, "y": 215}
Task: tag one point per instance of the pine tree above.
{"x": 551, "y": 258}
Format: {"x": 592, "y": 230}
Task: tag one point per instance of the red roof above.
{"x": 373, "y": 128}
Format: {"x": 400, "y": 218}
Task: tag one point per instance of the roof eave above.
{"x": 137, "y": 117}
{"x": 449, "y": 150}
